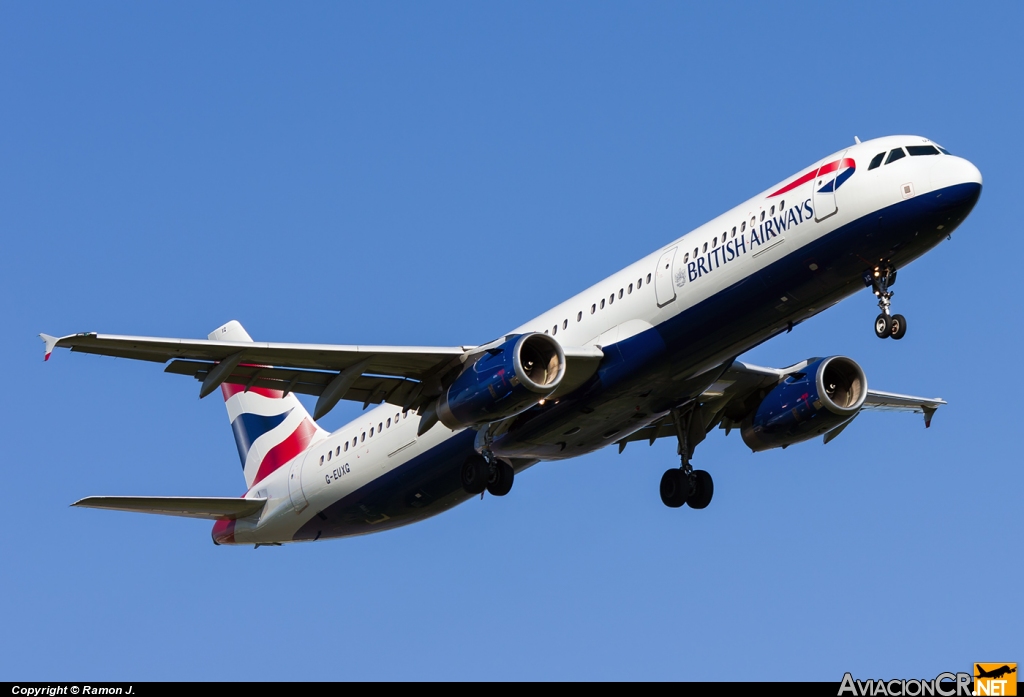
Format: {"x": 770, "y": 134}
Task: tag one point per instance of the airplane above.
{"x": 649, "y": 352}
{"x": 995, "y": 673}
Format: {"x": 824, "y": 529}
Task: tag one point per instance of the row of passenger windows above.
{"x": 898, "y": 154}
{"x": 628, "y": 290}
{"x": 379, "y": 428}
{"x": 697, "y": 251}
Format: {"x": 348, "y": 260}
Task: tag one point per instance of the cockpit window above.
{"x": 943, "y": 150}
{"x": 916, "y": 150}
{"x": 876, "y": 160}
{"x": 895, "y": 155}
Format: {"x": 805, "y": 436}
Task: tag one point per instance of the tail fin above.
{"x": 271, "y": 427}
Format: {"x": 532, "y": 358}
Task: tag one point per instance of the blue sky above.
{"x": 436, "y": 174}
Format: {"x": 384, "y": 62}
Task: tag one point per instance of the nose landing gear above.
{"x": 880, "y": 279}
{"x": 686, "y": 485}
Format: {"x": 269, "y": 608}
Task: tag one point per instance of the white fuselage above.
{"x": 683, "y": 274}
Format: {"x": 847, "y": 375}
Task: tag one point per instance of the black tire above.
{"x": 501, "y": 480}
{"x": 674, "y": 488}
{"x": 475, "y": 474}
{"x": 883, "y": 326}
{"x": 899, "y": 326}
{"x": 703, "y": 490}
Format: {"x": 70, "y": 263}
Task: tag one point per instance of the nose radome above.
{"x": 951, "y": 170}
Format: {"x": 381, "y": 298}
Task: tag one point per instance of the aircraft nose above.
{"x": 970, "y": 173}
{"x": 950, "y": 170}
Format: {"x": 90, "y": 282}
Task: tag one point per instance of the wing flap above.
{"x": 209, "y": 508}
{"x": 367, "y": 389}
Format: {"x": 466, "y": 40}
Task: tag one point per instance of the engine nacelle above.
{"x": 505, "y": 381}
{"x": 821, "y": 397}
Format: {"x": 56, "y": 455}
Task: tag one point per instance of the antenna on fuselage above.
{"x": 856, "y": 140}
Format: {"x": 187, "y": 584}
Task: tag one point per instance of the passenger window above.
{"x": 648, "y": 278}
{"x": 362, "y": 436}
{"x": 782, "y": 204}
{"x": 630, "y": 289}
{"x": 714, "y": 242}
{"x": 753, "y": 222}
{"x": 743, "y": 226}
{"x": 876, "y": 160}
{"x": 545, "y": 331}
{"x": 620, "y": 294}
{"x": 346, "y": 446}
{"x": 639, "y": 282}
{"x": 329, "y": 453}
{"x": 321, "y": 459}
{"x": 895, "y": 155}
{"x": 705, "y": 246}
{"x": 355, "y": 442}
{"x": 338, "y": 451}
{"x": 611, "y": 298}
{"x": 579, "y": 316}
{"x": 772, "y": 211}
{"x": 380, "y": 427}
{"x": 565, "y": 324}
{"x": 602, "y": 303}
{"x": 734, "y": 229}
{"x": 554, "y": 330}
{"x": 389, "y": 422}
{"x": 762, "y": 215}
{"x": 686, "y": 258}
{"x": 371, "y": 431}
{"x": 696, "y": 252}
{"x": 916, "y": 150}
{"x": 593, "y": 309}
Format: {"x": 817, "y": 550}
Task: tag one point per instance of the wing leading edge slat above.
{"x": 415, "y": 362}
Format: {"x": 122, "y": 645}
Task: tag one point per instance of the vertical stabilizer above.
{"x": 270, "y": 427}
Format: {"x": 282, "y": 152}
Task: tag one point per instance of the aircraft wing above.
{"x": 406, "y": 376}
{"x": 737, "y": 391}
{"x": 210, "y": 508}
{"x": 409, "y": 361}
{"x": 890, "y": 401}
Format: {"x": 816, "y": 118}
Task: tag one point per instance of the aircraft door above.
{"x": 824, "y": 191}
{"x": 664, "y": 288}
{"x": 295, "y": 493}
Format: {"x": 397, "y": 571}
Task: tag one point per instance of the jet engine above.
{"x": 505, "y": 381}
{"x": 823, "y": 396}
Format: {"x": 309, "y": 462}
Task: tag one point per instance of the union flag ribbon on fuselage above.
{"x": 844, "y": 169}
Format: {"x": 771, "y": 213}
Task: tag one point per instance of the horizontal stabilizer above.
{"x": 210, "y": 508}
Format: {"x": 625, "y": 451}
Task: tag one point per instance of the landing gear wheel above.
{"x": 883, "y": 326}
{"x": 475, "y": 473}
{"x": 500, "y": 482}
{"x": 675, "y": 488}
{"x": 703, "y": 490}
{"x": 899, "y": 326}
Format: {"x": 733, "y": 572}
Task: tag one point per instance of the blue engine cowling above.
{"x": 823, "y": 396}
{"x": 505, "y": 381}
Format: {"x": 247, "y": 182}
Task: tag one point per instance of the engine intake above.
{"x": 505, "y": 381}
{"x": 821, "y": 397}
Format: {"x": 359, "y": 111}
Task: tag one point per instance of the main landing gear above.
{"x": 480, "y": 473}
{"x": 880, "y": 279}
{"x": 686, "y": 485}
